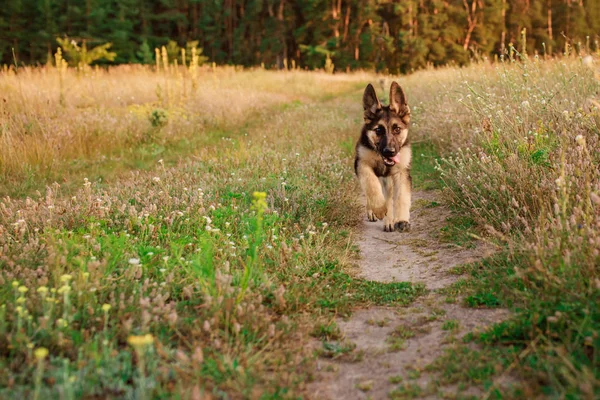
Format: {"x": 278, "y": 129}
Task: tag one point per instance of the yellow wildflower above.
{"x": 66, "y": 278}
{"x": 259, "y": 202}
{"x": 40, "y": 353}
{"x": 15, "y": 284}
{"x": 42, "y": 290}
{"x": 139, "y": 341}
{"x": 64, "y": 289}
{"x": 106, "y": 307}
{"x": 23, "y": 289}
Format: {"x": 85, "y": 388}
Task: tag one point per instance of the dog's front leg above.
{"x": 376, "y": 204}
{"x": 402, "y": 198}
{"x": 388, "y": 193}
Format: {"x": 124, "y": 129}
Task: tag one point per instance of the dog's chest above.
{"x": 381, "y": 170}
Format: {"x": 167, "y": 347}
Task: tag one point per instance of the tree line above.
{"x": 395, "y": 36}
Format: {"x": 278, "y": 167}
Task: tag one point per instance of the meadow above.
{"x": 186, "y": 233}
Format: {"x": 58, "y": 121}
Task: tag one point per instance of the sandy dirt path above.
{"x": 395, "y": 344}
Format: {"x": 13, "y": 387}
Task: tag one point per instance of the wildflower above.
{"x": 139, "y": 341}
{"x": 42, "y": 290}
{"x": 40, "y": 353}
{"x": 21, "y": 300}
{"x": 106, "y": 307}
{"x": 580, "y": 140}
{"x": 198, "y": 355}
{"x": 559, "y": 182}
{"x": 156, "y": 179}
{"x": 134, "y": 261}
{"x": 61, "y": 323}
{"x": 15, "y": 284}
{"x": 64, "y": 289}
{"x": 525, "y": 104}
{"x": 66, "y": 278}
{"x": 23, "y": 289}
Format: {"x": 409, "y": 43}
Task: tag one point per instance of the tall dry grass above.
{"x": 524, "y": 163}
{"x": 51, "y": 117}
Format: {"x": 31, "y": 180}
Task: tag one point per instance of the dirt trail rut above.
{"x": 395, "y": 344}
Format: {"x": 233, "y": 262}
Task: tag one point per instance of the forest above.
{"x": 388, "y": 36}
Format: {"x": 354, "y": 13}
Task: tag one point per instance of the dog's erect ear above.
{"x": 398, "y": 102}
{"x": 371, "y": 103}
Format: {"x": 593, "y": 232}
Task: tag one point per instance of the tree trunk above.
{"x": 503, "y": 36}
{"x": 346, "y": 23}
{"x": 550, "y": 26}
{"x": 472, "y": 21}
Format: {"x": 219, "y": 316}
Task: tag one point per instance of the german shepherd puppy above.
{"x": 383, "y": 157}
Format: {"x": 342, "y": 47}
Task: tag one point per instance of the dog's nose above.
{"x": 389, "y": 152}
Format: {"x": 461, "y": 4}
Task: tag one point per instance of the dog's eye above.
{"x": 397, "y": 130}
{"x": 379, "y": 130}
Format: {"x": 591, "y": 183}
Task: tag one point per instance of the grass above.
{"x": 161, "y": 240}
{"x": 525, "y": 171}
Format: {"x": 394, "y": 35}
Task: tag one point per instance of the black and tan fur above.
{"x": 383, "y": 141}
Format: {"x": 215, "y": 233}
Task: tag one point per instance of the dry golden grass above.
{"x": 50, "y": 117}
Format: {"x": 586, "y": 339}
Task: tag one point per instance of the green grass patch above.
{"x": 423, "y": 170}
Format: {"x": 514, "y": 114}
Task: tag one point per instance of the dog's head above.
{"x": 386, "y": 127}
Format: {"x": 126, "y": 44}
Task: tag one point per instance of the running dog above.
{"x": 383, "y": 156}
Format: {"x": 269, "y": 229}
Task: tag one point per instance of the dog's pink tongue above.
{"x": 396, "y": 158}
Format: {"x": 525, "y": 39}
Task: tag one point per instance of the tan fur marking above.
{"x": 372, "y": 138}
{"x": 388, "y": 191}
{"x": 405, "y": 157}
{"x": 402, "y": 192}
{"x": 372, "y": 188}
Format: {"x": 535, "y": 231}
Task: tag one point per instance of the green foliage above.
{"x": 145, "y": 54}
{"x": 80, "y": 56}
{"x": 388, "y": 36}
{"x": 158, "y": 118}
{"x": 174, "y": 52}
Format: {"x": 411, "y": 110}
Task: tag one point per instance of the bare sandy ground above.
{"x": 380, "y": 357}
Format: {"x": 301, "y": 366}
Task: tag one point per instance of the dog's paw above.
{"x": 380, "y": 212}
{"x": 388, "y": 226}
{"x": 402, "y": 226}
{"x": 370, "y": 216}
